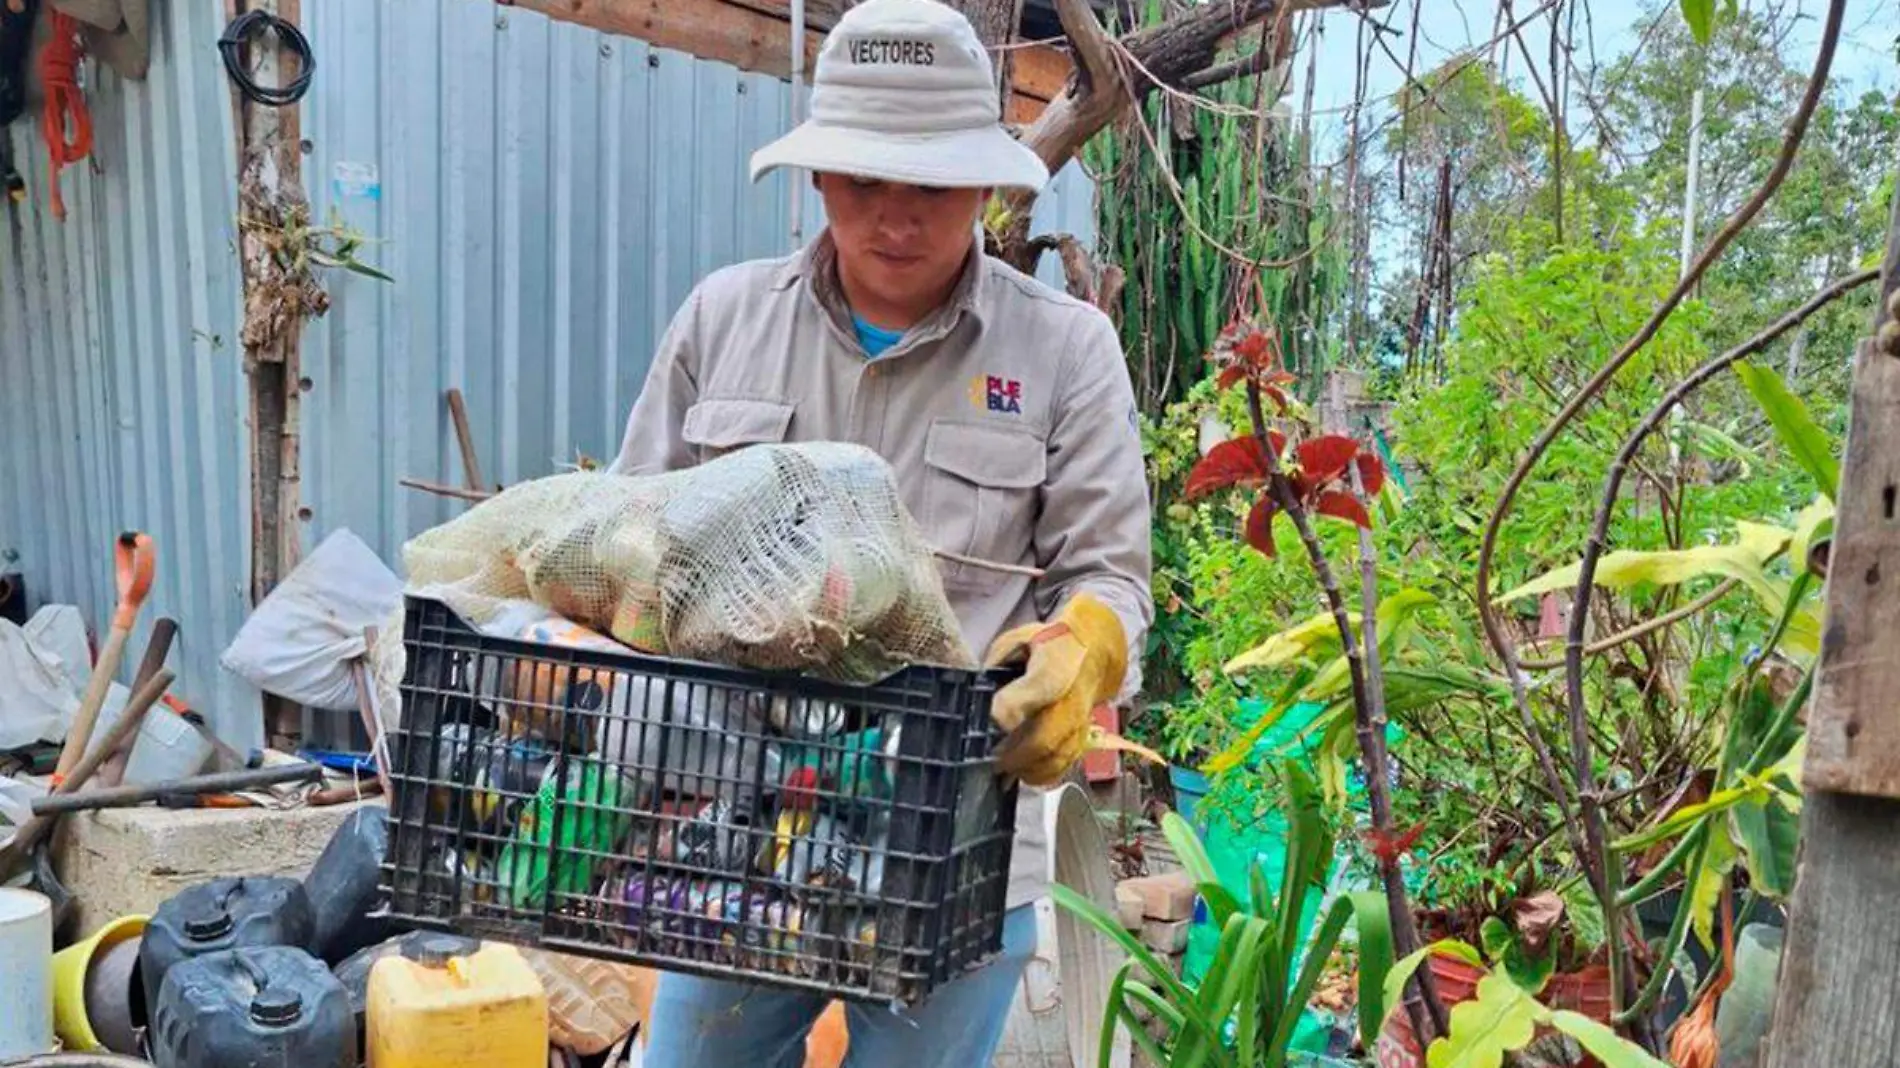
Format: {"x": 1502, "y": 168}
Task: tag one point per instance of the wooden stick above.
{"x": 471, "y": 467}
{"x": 440, "y": 490}
{"x": 222, "y": 782}
{"x": 989, "y": 565}
{"x": 30, "y": 832}
{"x": 366, "y": 708}
{"x": 157, "y": 648}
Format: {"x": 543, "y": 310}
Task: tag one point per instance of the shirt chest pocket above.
{"x": 981, "y": 496}
{"x": 716, "y": 427}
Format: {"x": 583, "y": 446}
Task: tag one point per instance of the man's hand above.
{"x": 1075, "y": 663}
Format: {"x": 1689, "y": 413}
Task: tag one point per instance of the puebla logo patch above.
{"x": 993, "y": 394}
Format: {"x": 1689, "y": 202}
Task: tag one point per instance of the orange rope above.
{"x": 59, "y": 76}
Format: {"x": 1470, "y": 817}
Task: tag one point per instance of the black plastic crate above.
{"x": 852, "y": 841}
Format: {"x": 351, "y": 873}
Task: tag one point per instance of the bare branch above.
{"x": 1593, "y": 850}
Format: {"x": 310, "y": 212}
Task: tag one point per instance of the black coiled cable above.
{"x": 241, "y": 30}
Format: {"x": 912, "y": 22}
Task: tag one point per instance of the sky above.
{"x": 1864, "y": 60}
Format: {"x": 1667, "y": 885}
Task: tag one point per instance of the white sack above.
{"x": 301, "y": 640}
{"x": 38, "y": 695}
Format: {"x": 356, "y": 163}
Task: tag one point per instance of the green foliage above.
{"x": 1798, "y": 432}
{"x": 1530, "y": 319}
{"x": 1262, "y": 974}
{"x": 1188, "y": 188}
{"x": 1505, "y": 1017}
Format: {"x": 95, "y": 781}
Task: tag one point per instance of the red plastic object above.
{"x": 1103, "y": 765}
{"x": 1586, "y": 991}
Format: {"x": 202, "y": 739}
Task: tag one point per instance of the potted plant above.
{"x": 1557, "y": 965}
{"x": 1247, "y": 1009}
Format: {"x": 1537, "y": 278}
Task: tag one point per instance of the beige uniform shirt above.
{"x": 1007, "y": 416}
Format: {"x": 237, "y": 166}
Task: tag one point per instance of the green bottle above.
{"x": 591, "y": 817}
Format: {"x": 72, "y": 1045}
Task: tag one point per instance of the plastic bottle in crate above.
{"x": 493, "y": 777}
{"x": 443, "y": 1001}
{"x": 583, "y": 812}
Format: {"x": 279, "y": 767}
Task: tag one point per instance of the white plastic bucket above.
{"x": 166, "y": 748}
{"x": 26, "y": 980}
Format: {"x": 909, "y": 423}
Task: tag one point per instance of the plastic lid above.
{"x": 274, "y": 1007}
{"x": 433, "y": 950}
{"x": 211, "y": 922}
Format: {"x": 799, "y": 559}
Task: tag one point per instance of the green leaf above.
{"x": 1314, "y": 638}
{"x": 1815, "y": 523}
{"x": 1708, "y": 880}
{"x": 1401, "y": 972}
{"x": 1157, "y": 969}
{"x": 1236, "y": 754}
{"x": 1309, "y": 852}
{"x": 1803, "y": 437}
{"x": 1247, "y": 1020}
{"x": 1112, "y": 1011}
{"x": 1700, "y": 15}
{"x": 1235, "y": 957}
{"x": 1194, "y": 859}
{"x": 1626, "y": 568}
{"x": 1502, "y": 1018}
{"x": 1501, "y": 944}
{"x": 1601, "y": 1042}
{"x": 1683, "y": 818}
{"x": 1585, "y": 914}
{"x": 1769, "y": 835}
{"x": 1372, "y": 921}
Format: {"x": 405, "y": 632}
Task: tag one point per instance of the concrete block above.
{"x": 123, "y": 861}
{"x": 1168, "y": 896}
{"x": 1128, "y": 906}
{"x": 1166, "y": 936}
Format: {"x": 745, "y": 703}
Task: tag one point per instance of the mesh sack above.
{"x": 775, "y": 557}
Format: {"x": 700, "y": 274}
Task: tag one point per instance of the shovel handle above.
{"x": 133, "y": 561}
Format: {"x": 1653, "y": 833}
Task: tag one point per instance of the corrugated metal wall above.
{"x": 121, "y": 385}
{"x": 544, "y": 197}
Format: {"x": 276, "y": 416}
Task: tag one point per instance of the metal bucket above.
{"x": 26, "y": 982}
{"x": 1056, "y": 1021}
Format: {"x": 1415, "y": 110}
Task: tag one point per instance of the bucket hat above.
{"x": 903, "y": 91}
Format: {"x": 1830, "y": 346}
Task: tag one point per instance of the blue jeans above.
{"x": 713, "y": 1023}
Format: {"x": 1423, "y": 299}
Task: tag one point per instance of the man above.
{"x": 1003, "y": 406}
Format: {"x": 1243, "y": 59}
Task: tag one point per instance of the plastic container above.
{"x": 219, "y": 915}
{"x": 98, "y": 1001}
{"x": 1190, "y": 787}
{"x": 252, "y": 1007}
{"x": 865, "y": 861}
{"x": 443, "y": 1001}
{"x": 344, "y": 887}
{"x": 26, "y": 979}
{"x": 165, "y": 748}
{"x": 353, "y": 973}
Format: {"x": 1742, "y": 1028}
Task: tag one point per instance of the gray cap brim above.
{"x": 963, "y": 159}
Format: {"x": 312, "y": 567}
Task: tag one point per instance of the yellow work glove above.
{"x": 1075, "y": 662}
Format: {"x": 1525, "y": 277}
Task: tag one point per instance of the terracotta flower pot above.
{"x": 1586, "y": 991}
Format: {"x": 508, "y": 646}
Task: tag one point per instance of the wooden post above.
{"x": 270, "y": 191}
{"x": 1841, "y": 966}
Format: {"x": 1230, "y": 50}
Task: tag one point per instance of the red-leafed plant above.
{"x": 1329, "y": 475}
{"x": 1318, "y": 474}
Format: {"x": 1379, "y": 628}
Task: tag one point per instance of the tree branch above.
{"x": 1368, "y": 711}
{"x": 1593, "y": 855}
